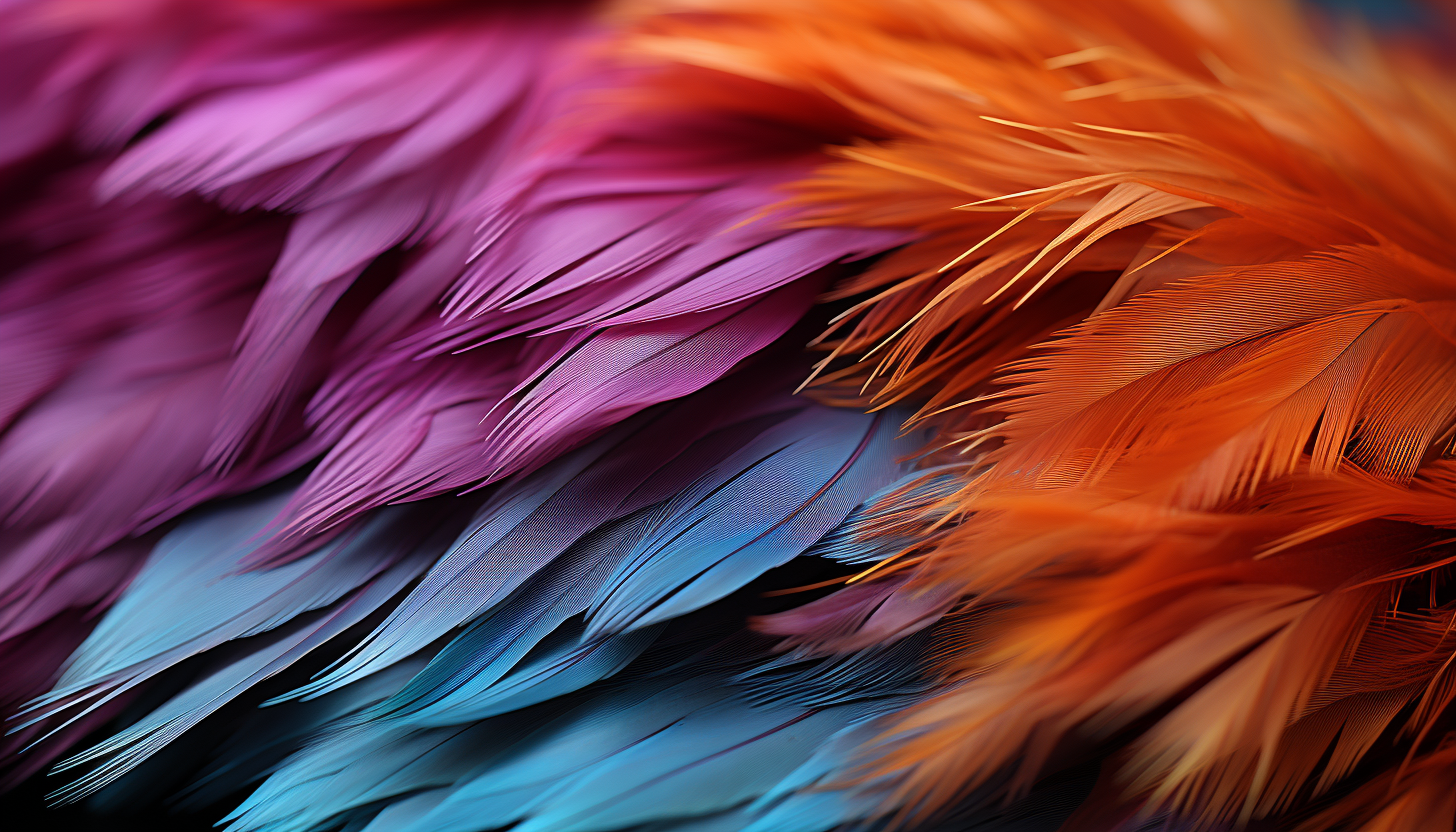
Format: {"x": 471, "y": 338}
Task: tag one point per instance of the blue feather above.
{"x": 531, "y": 521}
{"x": 281, "y": 648}
{"x": 261, "y": 740}
{"x": 471, "y": 678}
{"x": 652, "y": 751}
{"x": 881, "y": 526}
{"x": 190, "y": 597}
{"x": 760, "y": 508}
{"x": 558, "y": 704}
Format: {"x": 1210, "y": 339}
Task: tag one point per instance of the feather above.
{"x": 891, "y": 521}
{"x": 372, "y": 146}
{"x": 255, "y": 744}
{"x": 538, "y": 517}
{"x": 523, "y": 640}
{"x": 1178, "y": 312}
{"x": 1169, "y": 283}
{"x": 613, "y": 760}
{"x": 144, "y": 634}
{"x": 780, "y": 493}
{"x": 106, "y": 437}
{"x": 472, "y": 677}
{"x": 350, "y": 150}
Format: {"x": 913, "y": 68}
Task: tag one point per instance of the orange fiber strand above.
{"x": 1184, "y": 295}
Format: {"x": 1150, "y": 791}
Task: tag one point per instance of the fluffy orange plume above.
{"x": 1185, "y": 291}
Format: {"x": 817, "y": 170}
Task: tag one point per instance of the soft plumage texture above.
{"x": 581, "y": 606}
{"x": 485, "y": 304}
{"x": 248, "y": 237}
{"x": 1200, "y": 505}
{"x": 120, "y": 320}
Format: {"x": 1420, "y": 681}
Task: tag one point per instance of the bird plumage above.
{"x": 423, "y": 373}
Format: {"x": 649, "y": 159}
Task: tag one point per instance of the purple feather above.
{"x": 397, "y": 253}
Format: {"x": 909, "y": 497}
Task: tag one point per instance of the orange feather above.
{"x": 1184, "y": 293}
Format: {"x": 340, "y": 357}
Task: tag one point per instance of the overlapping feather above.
{"x": 1206, "y": 490}
{"x": 533, "y": 593}
{"x": 1174, "y": 281}
{"x": 168, "y": 352}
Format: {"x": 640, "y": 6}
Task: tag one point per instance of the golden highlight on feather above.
{"x": 1184, "y": 295}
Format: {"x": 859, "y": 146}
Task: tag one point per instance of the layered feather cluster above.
{"x": 1209, "y": 505}
{"x": 401, "y": 431}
